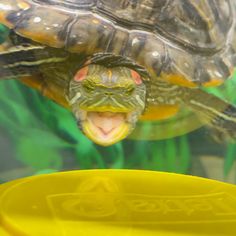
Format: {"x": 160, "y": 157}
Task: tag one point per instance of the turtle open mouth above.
{"x": 105, "y": 128}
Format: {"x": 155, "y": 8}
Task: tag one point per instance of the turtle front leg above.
{"x": 215, "y": 112}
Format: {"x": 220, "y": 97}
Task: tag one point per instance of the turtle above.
{"x": 113, "y": 63}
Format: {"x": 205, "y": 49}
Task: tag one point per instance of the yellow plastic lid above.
{"x": 117, "y": 202}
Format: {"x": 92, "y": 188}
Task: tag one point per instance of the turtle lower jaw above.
{"x": 105, "y": 128}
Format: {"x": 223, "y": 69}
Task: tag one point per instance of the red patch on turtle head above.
{"x": 81, "y": 74}
{"x": 136, "y": 76}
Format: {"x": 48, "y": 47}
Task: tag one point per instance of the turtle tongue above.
{"x": 106, "y": 128}
{"x": 106, "y": 121}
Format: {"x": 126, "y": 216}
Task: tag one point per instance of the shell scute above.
{"x": 89, "y": 34}
{"x": 41, "y": 25}
{"x": 190, "y": 43}
{"x": 152, "y": 52}
{"x": 134, "y": 12}
{"x": 197, "y": 24}
{"x": 118, "y": 42}
{"x": 11, "y": 11}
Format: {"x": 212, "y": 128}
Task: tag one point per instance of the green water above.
{"x": 37, "y": 136}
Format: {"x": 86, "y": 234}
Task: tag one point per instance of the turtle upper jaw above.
{"x": 105, "y": 128}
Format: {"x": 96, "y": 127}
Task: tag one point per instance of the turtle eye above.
{"x": 129, "y": 90}
{"x": 88, "y": 87}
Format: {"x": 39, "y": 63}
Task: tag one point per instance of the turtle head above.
{"x": 106, "y": 102}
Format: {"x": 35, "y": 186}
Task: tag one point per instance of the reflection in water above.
{"x": 121, "y": 202}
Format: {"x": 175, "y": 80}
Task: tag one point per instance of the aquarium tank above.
{"x": 39, "y": 136}
{"x": 117, "y": 117}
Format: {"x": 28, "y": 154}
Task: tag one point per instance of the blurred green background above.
{"x": 38, "y": 136}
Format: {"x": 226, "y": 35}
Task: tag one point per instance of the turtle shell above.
{"x": 190, "y": 43}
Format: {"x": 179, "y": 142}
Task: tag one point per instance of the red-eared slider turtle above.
{"x": 114, "y": 62}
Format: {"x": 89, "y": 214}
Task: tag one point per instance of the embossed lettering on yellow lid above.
{"x": 117, "y": 202}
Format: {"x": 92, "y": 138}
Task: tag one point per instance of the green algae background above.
{"x": 38, "y": 136}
